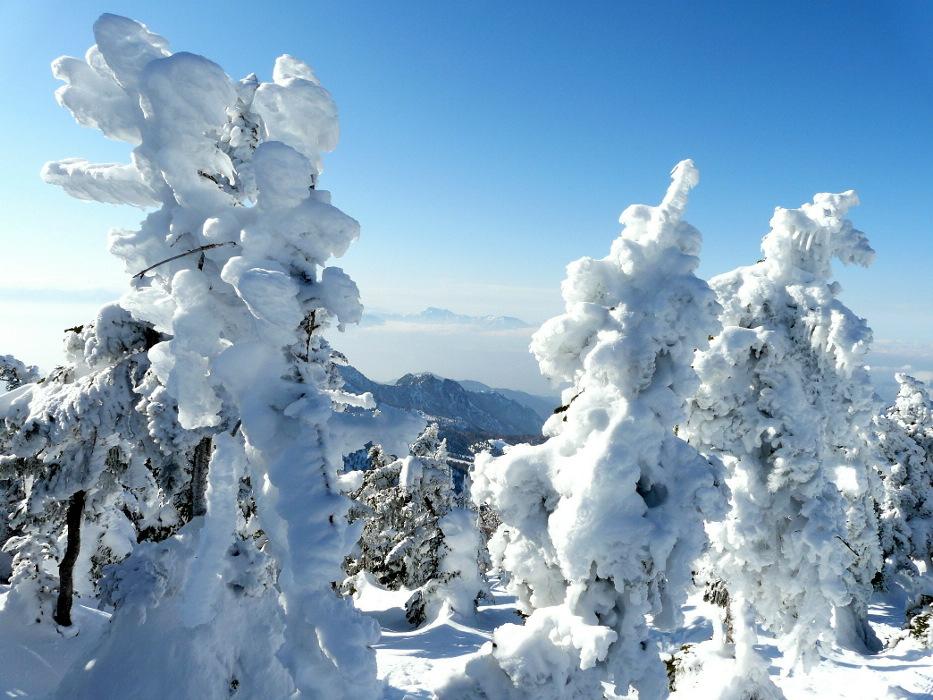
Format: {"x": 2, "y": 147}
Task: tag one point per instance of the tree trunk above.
{"x": 67, "y": 566}
{"x": 200, "y": 464}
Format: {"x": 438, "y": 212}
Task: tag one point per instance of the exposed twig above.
{"x": 847, "y": 545}
{"x": 199, "y": 249}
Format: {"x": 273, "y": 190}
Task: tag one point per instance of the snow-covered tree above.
{"x": 447, "y": 550}
{"x": 415, "y": 534}
{"x": 379, "y": 504}
{"x": 231, "y": 268}
{"x": 905, "y": 433}
{"x": 786, "y": 403}
{"x": 14, "y": 373}
{"x": 600, "y": 524}
{"x": 78, "y": 461}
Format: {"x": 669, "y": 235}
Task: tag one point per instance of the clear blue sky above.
{"x": 487, "y": 144}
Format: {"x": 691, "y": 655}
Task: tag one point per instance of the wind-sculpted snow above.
{"x": 601, "y": 523}
{"x": 230, "y": 274}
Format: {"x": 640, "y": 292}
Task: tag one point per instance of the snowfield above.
{"x": 412, "y": 663}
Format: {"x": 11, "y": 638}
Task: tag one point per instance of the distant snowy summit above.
{"x": 435, "y": 316}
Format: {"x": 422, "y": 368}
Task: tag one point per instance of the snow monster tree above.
{"x": 231, "y": 267}
{"x": 787, "y": 404}
{"x": 600, "y": 524}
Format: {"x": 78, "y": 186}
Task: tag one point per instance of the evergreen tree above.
{"x": 786, "y": 403}
{"x": 600, "y": 524}
{"x": 14, "y": 373}
{"x": 230, "y": 269}
{"x": 446, "y": 548}
{"x": 79, "y": 457}
{"x": 379, "y": 505}
{"x": 415, "y": 535}
{"x": 905, "y": 433}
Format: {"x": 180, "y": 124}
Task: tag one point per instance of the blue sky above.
{"x": 487, "y": 144}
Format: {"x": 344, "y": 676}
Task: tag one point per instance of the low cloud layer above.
{"x": 489, "y": 349}
{"x": 888, "y": 357}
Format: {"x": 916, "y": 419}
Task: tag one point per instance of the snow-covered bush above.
{"x": 601, "y": 523}
{"x": 230, "y": 269}
{"x": 786, "y": 403}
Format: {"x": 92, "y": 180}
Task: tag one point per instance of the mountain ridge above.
{"x": 464, "y": 416}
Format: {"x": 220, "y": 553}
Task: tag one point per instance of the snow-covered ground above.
{"x": 33, "y": 658}
{"x": 413, "y": 662}
{"x": 903, "y": 670}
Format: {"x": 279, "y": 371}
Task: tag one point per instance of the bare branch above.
{"x": 139, "y": 275}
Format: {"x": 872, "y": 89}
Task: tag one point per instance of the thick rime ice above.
{"x": 230, "y": 278}
{"x": 600, "y": 524}
{"x": 786, "y": 403}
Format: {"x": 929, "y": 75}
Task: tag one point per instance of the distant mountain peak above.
{"x": 420, "y": 378}
{"x": 435, "y": 312}
{"x": 437, "y": 316}
{"x": 471, "y": 415}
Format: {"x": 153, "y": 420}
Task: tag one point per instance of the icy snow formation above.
{"x": 602, "y": 522}
{"x": 231, "y": 266}
{"x": 786, "y": 403}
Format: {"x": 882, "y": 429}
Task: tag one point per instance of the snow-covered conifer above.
{"x": 415, "y": 534}
{"x": 427, "y": 484}
{"x": 905, "y": 433}
{"x": 231, "y": 267}
{"x": 76, "y": 450}
{"x": 786, "y": 403}
{"x": 447, "y": 547}
{"x": 14, "y": 373}
{"x": 600, "y": 524}
{"x": 379, "y": 505}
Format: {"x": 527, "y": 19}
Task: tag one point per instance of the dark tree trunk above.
{"x": 200, "y": 464}
{"x": 66, "y": 568}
